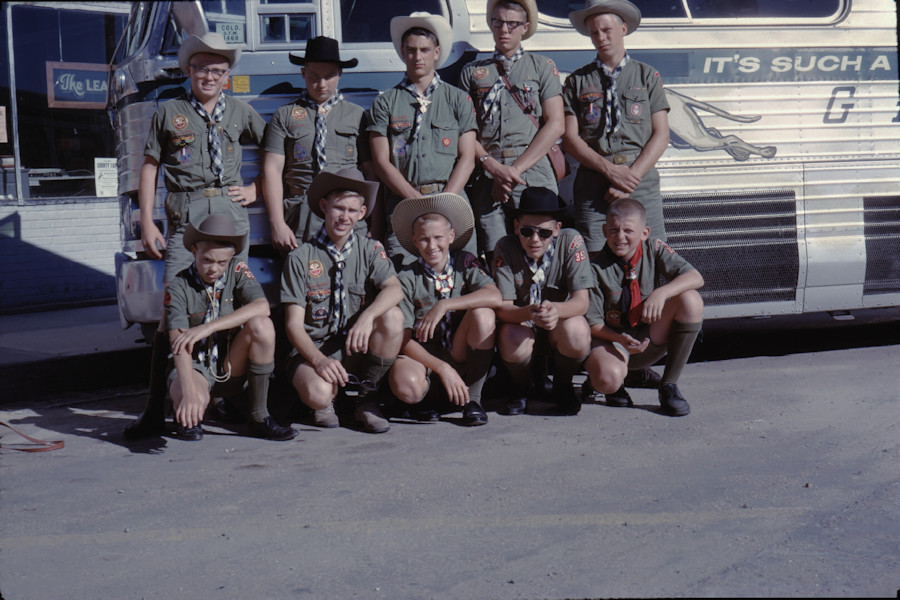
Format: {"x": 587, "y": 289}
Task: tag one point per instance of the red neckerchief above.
{"x": 631, "y": 289}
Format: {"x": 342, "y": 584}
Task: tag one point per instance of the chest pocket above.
{"x": 356, "y": 299}
{"x": 342, "y": 145}
{"x": 446, "y": 137}
{"x": 230, "y": 142}
{"x": 637, "y": 106}
{"x": 318, "y": 306}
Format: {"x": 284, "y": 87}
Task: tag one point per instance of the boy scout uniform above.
{"x": 292, "y": 133}
{"x": 179, "y": 142}
{"x": 308, "y": 280}
{"x": 640, "y": 94}
{"x": 186, "y": 304}
{"x": 508, "y": 132}
{"x": 426, "y": 160}
{"x": 569, "y": 269}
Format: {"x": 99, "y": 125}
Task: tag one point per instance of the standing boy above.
{"x": 422, "y": 132}
{"x": 544, "y": 275}
{"x": 320, "y": 131}
{"x": 341, "y": 295}
{"x": 221, "y": 335}
{"x": 197, "y": 139}
{"x": 448, "y": 306}
{"x": 634, "y": 321}
{"x": 510, "y": 149}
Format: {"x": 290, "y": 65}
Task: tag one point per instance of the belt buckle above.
{"x": 508, "y": 153}
{"x": 210, "y": 192}
{"x": 428, "y": 188}
{"x": 620, "y": 159}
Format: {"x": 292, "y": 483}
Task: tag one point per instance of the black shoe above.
{"x": 474, "y": 415}
{"x": 619, "y": 397}
{"x": 672, "y": 402}
{"x": 425, "y": 414}
{"x": 189, "y": 434}
{"x": 515, "y": 405}
{"x": 145, "y": 426}
{"x": 224, "y": 412}
{"x": 566, "y": 401}
{"x": 589, "y": 394}
{"x": 643, "y": 378}
{"x": 269, "y": 429}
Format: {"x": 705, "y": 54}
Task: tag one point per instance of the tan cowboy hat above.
{"x": 531, "y": 13}
{"x": 214, "y": 228}
{"x": 455, "y": 208}
{"x": 629, "y": 13}
{"x": 213, "y": 43}
{"x": 345, "y": 179}
{"x": 436, "y": 24}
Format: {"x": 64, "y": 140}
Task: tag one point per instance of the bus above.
{"x": 781, "y": 182}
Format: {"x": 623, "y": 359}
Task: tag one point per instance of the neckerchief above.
{"x": 210, "y": 354}
{"x": 443, "y": 284}
{"x": 338, "y": 293}
{"x": 215, "y": 131}
{"x": 630, "y": 301}
{"x": 321, "y": 127}
{"x": 610, "y": 93}
{"x": 423, "y": 99}
{"x": 539, "y": 273}
{"x": 504, "y": 66}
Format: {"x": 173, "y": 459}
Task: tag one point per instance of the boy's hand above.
{"x": 358, "y": 336}
{"x": 633, "y": 345}
{"x": 186, "y": 339}
{"x": 430, "y": 322}
{"x": 545, "y": 315}
{"x": 189, "y": 412}
{"x": 150, "y": 236}
{"x": 653, "y": 307}
{"x": 457, "y": 390}
{"x": 331, "y": 370}
{"x": 245, "y": 194}
{"x": 282, "y": 237}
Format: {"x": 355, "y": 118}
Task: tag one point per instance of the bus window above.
{"x": 653, "y": 9}
{"x": 367, "y": 21}
{"x": 759, "y": 9}
{"x": 286, "y": 22}
{"x": 227, "y": 17}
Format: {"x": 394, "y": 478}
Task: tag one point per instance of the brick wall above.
{"x": 58, "y": 252}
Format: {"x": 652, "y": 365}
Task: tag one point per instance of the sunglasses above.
{"x": 527, "y": 232}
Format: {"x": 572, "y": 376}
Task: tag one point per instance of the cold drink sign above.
{"x": 77, "y": 85}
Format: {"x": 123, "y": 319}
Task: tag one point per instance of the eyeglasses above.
{"x": 527, "y": 232}
{"x": 510, "y": 25}
{"x": 216, "y": 73}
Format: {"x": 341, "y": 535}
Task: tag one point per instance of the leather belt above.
{"x": 620, "y": 158}
{"x": 210, "y": 192}
{"x": 431, "y": 188}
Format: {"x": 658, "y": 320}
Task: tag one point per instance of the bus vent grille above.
{"x": 744, "y": 244}
{"x": 882, "y": 229}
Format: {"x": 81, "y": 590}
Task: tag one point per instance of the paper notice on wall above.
{"x": 4, "y": 138}
{"x": 106, "y": 177}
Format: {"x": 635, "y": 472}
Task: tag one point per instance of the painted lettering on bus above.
{"x": 897, "y": 118}
{"x": 801, "y": 63}
{"x": 839, "y": 93}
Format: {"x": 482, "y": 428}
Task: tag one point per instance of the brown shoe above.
{"x": 371, "y": 418}
{"x": 326, "y": 417}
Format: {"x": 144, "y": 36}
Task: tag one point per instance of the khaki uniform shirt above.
{"x": 432, "y": 155}
{"x": 606, "y": 294}
{"x": 569, "y": 270}
{"x": 308, "y": 278}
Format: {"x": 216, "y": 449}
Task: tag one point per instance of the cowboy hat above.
{"x": 322, "y": 49}
{"x": 436, "y": 24}
{"x": 540, "y": 201}
{"x": 455, "y": 209}
{"x": 210, "y": 42}
{"x": 345, "y": 179}
{"x": 214, "y": 228}
{"x": 629, "y": 13}
{"x": 531, "y": 13}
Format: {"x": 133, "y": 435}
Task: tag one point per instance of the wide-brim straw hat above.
{"x": 345, "y": 179}
{"x": 322, "y": 49}
{"x": 212, "y": 43}
{"x": 214, "y": 228}
{"x": 436, "y": 24}
{"x": 531, "y": 13}
{"x": 629, "y": 13}
{"x": 454, "y": 208}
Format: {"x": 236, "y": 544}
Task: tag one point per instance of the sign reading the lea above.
{"x": 77, "y": 85}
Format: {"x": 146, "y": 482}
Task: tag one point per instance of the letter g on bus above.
{"x": 839, "y": 93}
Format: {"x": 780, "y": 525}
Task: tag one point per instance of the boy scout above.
{"x": 634, "y": 321}
{"x": 221, "y": 334}
{"x": 422, "y": 132}
{"x": 543, "y": 274}
{"x": 448, "y": 306}
{"x": 510, "y": 149}
{"x": 320, "y": 131}
{"x": 336, "y": 318}
{"x": 616, "y": 122}
{"x": 197, "y": 139}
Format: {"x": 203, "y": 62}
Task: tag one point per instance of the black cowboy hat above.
{"x": 323, "y": 49}
{"x": 540, "y": 201}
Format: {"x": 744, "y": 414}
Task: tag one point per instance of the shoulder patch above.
{"x": 298, "y": 112}
{"x": 167, "y": 300}
{"x": 577, "y": 242}
{"x": 245, "y": 268}
{"x": 315, "y": 268}
{"x": 580, "y": 256}
{"x": 480, "y": 73}
{"x": 499, "y": 261}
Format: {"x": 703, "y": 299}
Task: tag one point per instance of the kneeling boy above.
{"x": 221, "y": 334}
{"x": 448, "y": 305}
{"x": 341, "y": 294}
{"x": 634, "y": 322}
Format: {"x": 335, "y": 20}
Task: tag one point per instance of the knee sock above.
{"x": 478, "y": 364}
{"x": 374, "y": 369}
{"x": 156, "y": 393}
{"x": 258, "y": 388}
{"x": 565, "y": 370}
{"x": 519, "y": 376}
{"x": 681, "y": 341}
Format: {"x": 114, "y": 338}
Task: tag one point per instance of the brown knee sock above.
{"x": 681, "y": 341}
{"x": 258, "y": 387}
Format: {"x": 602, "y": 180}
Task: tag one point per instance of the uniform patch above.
{"x": 298, "y": 112}
{"x": 315, "y": 268}
{"x": 300, "y": 152}
{"x": 400, "y": 147}
{"x": 183, "y": 140}
{"x": 184, "y": 155}
{"x": 577, "y": 241}
{"x": 167, "y": 299}
{"x": 552, "y": 64}
{"x": 351, "y": 150}
{"x": 471, "y": 261}
{"x": 242, "y": 266}
{"x": 380, "y": 247}
{"x": 662, "y": 244}
{"x": 179, "y": 122}
{"x": 591, "y": 114}
{"x": 580, "y": 256}
{"x": 614, "y": 318}
{"x": 400, "y": 124}
{"x": 499, "y": 262}
{"x": 446, "y": 142}
{"x": 320, "y": 313}
{"x": 636, "y": 110}
{"x": 480, "y": 73}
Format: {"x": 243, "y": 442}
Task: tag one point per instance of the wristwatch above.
{"x": 483, "y": 158}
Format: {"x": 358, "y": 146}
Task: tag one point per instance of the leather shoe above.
{"x": 643, "y": 378}
{"x": 474, "y": 415}
{"x": 515, "y": 405}
{"x": 672, "y": 402}
{"x": 269, "y": 429}
{"x": 189, "y": 434}
{"x": 589, "y": 394}
{"x": 620, "y": 397}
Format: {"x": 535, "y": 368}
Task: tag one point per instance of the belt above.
{"x": 431, "y": 188}
{"x": 209, "y": 192}
{"x": 506, "y": 152}
{"x": 620, "y": 158}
